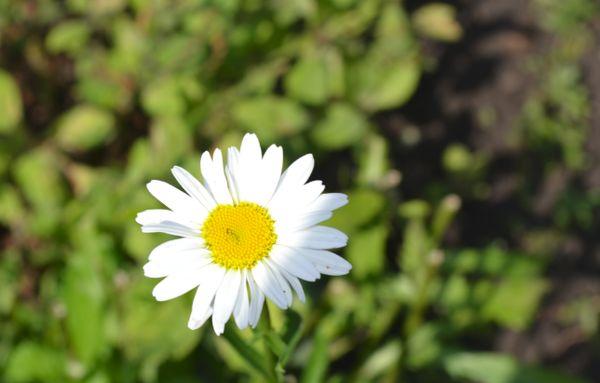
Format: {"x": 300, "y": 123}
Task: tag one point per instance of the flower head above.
{"x": 246, "y": 233}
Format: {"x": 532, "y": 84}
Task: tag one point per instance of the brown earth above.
{"x": 475, "y": 96}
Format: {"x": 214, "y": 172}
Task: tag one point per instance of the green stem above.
{"x": 272, "y": 359}
{"x": 415, "y": 317}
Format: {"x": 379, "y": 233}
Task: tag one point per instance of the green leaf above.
{"x": 103, "y": 91}
{"x": 354, "y": 215}
{"x": 84, "y": 300}
{"x": 414, "y": 209}
{"x": 11, "y": 207}
{"x": 270, "y": 117}
{"x": 342, "y": 127}
{"x": 488, "y": 367}
{"x": 143, "y": 322}
{"x": 437, "y": 21}
{"x": 413, "y": 254}
{"x": 11, "y": 107}
{"x": 316, "y": 77}
{"x": 170, "y": 139}
{"x": 457, "y": 158}
{"x": 515, "y": 301}
{"x": 316, "y": 367}
{"x": 424, "y": 346}
{"x": 31, "y": 362}
{"x": 394, "y": 23}
{"x": 163, "y": 97}
{"x": 307, "y": 81}
{"x": 248, "y": 353}
{"x": 384, "y": 79}
{"x": 366, "y": 251}
{"x": 381, "y": 360}
{"x": 9, "y": 279}
{"x": 84, "y": 127}
{"x": 38, "y": 177}
{"x": 69, "y": 36}
{"x": 373, "y": 159}
{"x": 291, "y": 335}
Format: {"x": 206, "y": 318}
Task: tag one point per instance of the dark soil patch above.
{"x": 475, "y": 96}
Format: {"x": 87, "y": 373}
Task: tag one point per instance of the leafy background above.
{"x": 466, "y": 134}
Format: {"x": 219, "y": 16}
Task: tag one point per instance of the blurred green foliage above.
{"x": 99, "y": 96}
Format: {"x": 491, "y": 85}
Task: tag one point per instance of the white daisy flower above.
{"x": 248, "y": 232}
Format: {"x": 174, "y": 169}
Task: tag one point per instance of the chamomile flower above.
{"x": 247, "y": 232}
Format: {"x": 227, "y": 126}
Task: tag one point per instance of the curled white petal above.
{"x": 268, "y": 284}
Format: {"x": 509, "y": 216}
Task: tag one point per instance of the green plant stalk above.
{"x": 275, "y": 368}
{"x": 415, "y": 318}
{"x": 442, "y": 218}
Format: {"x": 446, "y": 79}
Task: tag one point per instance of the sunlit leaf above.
{"x": 342, "y": 126}
{"x": 30, "y": 362}
{"x": 515, "y": 301}
{"x": 69, "y": 36}
{"x": 37, "y": 174}
{"x": 270, "y": 117}
{"x": 384, "y": 79}
{"x": 438, "y": 21}
{"x": 366, "y": 252}
{"x": 162, "y": 97}
{"x": 84, "y": 299}
{"x": 11, "y": 108}
{"x": 499, "y": 368}
{"x": 354, "y": 215}
{"x": 84, "y": 127}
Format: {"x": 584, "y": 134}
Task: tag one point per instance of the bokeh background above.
{"x": 467, "y": 134}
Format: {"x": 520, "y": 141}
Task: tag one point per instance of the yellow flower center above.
{"x": 239, "y": 235}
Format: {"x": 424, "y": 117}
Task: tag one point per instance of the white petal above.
{"x": 283, "y": 285}
{"x": 327, "y": 262}
{"x": 242, "y": 306}
{"x": 193, "y": 187}
{"x": 156, "y": 216}
{"x": 301, "y": 222}
{"x": 310, "y": 192}
{"x": 249, "y": 170}
{"x": 177, "y": 261}
{"x": 296, "y": 201}
{"x": 295, "y": 283}
{"x": 233, "y": 185}
{"x": 214, "y": 175}
{"x": 165, "y": 249}
{"x": 250, "y": 148}
{"x": 225, "y": 300}
{"x": 316, "y": 237}
{"x": 257, "y": 299}
{"x": 175, "y": 199}
{"x": 293, "y": 262}
{"x": 268, "y": 284}
{"x": 271, "y": 167}
{"x": 153, "y": 216}
{"x": 235, "y": 176}
{"x": 328, "y": 202}
{"x": 194, "y": 324}
{"x": 173, "y": 228}
{"x": 294, "y": 177}
{"x": 298, "y": 172}
{"x": 178, "y": 283}
{"x": 202, "y": 306}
